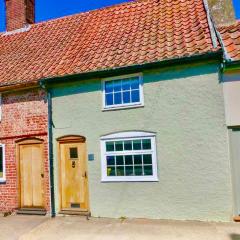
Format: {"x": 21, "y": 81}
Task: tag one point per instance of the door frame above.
{"x": 21, "y": 142}
{"x": 64, "y": 140}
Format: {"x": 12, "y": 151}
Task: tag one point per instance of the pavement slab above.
{"x": 79, "y": 228}
{"x": 13, "y": 227}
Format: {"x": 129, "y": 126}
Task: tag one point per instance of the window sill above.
{"x": 146, "y": 179}
{"x": 2, "y": 181}
{"x": 122, "y": 107}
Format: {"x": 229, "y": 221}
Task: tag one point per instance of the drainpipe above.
{"x": 50, "y": 148}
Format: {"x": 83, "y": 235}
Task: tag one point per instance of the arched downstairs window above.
{"x": 129, "y": 156}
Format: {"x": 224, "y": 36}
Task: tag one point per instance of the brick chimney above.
{"x": 19, "y": 13}
{"x": 222, "y": 11}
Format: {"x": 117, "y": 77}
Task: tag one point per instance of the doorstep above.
{"x": 32, "y": 211}
{"x": 79, "y": 212}
{"x": 236, "y": 219}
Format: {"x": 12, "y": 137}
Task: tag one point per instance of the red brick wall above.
{"x": 23, "y": 114}
{"x": 18, "y": 13}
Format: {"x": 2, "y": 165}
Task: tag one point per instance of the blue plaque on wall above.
{"x": 91, "y": 157}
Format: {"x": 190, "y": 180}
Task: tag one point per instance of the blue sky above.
{"x": 47, "y": 9}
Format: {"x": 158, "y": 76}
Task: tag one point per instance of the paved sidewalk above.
{"x": 12, "y": 227}
{"x": 74, "y": 228}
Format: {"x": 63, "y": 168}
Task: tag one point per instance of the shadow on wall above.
{"x": 234, "y": 236}
{"x": 175, "y": 72}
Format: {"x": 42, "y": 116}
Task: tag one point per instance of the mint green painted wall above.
{"x": 185, "y": 107}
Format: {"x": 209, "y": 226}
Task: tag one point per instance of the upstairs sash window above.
{"x": 123, "y": 92}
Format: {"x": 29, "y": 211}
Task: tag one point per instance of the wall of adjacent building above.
{"x": 184, "y": 105}
{"x": 24, "y": 113}
{"x": 231, "y": 88}
{"x": 234, "y": 136}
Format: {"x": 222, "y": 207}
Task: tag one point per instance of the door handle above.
{"x": 85, "y": 174}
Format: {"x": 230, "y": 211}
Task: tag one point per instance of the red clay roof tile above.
{"x": 231, "y": 40}
{"x": 131, "y": 33}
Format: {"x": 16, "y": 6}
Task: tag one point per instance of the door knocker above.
{"x": 73, "y": 164}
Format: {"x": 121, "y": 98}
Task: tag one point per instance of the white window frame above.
{"x": 123, "y": 105}
{"x": 129, "y": 135}
{"x": 3, "y": 178}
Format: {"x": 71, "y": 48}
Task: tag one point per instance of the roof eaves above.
{"x": 217, "y": 55}
{"x": 18, "y": 86}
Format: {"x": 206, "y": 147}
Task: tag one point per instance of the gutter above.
{"x": 131, "y": 69}
{"x": 231, "y": 65}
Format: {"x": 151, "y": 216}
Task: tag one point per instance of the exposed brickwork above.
{"x": 19, "y": 13}
{"x": 23, "y": 113}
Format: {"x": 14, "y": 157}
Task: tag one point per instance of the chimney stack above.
{"x": 222, "y": 11}
{"x": 19, "y": 13}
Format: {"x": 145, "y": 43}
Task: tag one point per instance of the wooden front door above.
{"x": 31, "y": 175}
{"x": 73, "y": 174}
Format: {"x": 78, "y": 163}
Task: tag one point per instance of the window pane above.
{"x": 111, "y": 171}
{"x": 109, "y": 146}
{"x": 135, "y": 96}
{"x": 1, "y": 162}
{"x": 126, "y": 84}
{"x": 137, "y": 159}
{"x": 138, "y": 170}
{"x": 118, "y": 98}
{"x": 73, "y": 152}
{"x": 110, "y": 160}
{"x": 147, "y": 159}
{"x": 129, "y": 170}
{"x": 128, "y": 160}
{"x": 109, "y": 86}
{"x": 117, "y": 85}
{"x": 148, "y": 170}
{"x": 109, "y": 99}
{"x": 119, "y": 146}
{"x": 137, "y": 145}
{"x": 127, "y": 145}
{"x": 120, "y": 171}
{"x": 119, "y": 160}
{"x": 135, "y": 83}
{"x": 126, "y": 97}
{"x": 146, "y": 143}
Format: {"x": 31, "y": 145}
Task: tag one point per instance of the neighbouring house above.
{"x": 135, "y": 111}
{"x": 230, "y": 37}
{"x": 24, "y": 167}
